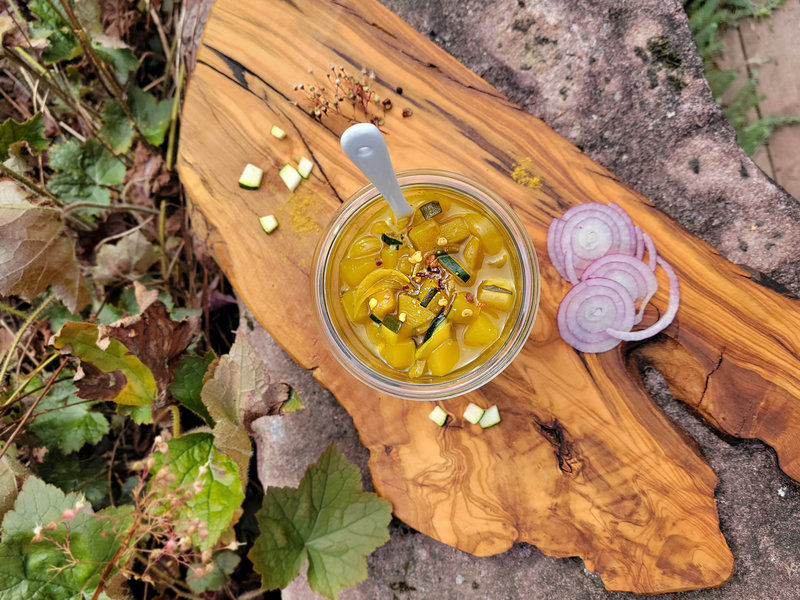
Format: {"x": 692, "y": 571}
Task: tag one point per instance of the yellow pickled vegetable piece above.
{"x": 416, "y": 314}
{"x": 473, "y": 254}
{"x": 356, "y": 314}
{"x": 417, "y": 369}
{"x": 496, "y": 294}
{"x": 366, "y": 245}
{"x": 463, "y": 311}
{"x": 373, "y": 331}
{"x": 399, "y": 355}
{"x": 390, "y": 337}
{"x": 424, "y": 235}
{"x": 500, "y": 261}
{"x": 386, "y": 303}
{"x": 444, "y": 358}
{"x": 454, "y": 230}
{"x": 483, "y": 228}
{"x": 441, "y": 334}
{"x": 381, "y": 227}
{"x": 481, "y": 332}
{"x": 354, "y": 270}
{"x": 379, "y": 279}
{"x": 405, "y": 266}
{"x": 389, "y": 256}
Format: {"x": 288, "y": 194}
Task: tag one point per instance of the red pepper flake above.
{"x": 407, "y": 112}
{"x": 469, "y": 297}
{"x": 378, "y": 261}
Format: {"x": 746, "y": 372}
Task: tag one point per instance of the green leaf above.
{"x": 225, "y": 562}
{"x": 151, "y": 116}
{"x": 327, "y": 520}
{"x": 293, "y": 403}
{"x": 66, "y": 421}
{"x": 112, "y": 373}
{"x": 92, "y": 160}
{"x": 116, "y": 54}
{"x": 70, "y": 188}
{"x": 30, "y": 131}
{"x": 36, "y": 252}
{"x": 194, "y": 458}
{"x": 141, "y": 415}
{"x": 117, "y": 130}
{"x": 88, "y": 476}
{"x": 41, "y": 569}
{"x": 187, "y": 383}
{"x": 10, "y": 470}
{"x": 62, "y": 43}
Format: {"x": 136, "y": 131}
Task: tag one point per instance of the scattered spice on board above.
{"x": 299, "y": 207}
{"x": 522, "y": 175}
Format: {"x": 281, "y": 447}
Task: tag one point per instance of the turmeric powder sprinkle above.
{"x": 521, "y": 175}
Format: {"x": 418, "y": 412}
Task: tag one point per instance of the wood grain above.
{"x": 583, "y": 463}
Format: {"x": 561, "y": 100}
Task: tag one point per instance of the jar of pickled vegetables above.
{"x": 431, "y": 306}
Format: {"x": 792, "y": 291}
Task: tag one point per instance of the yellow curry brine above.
{"x": 431, "y": 295}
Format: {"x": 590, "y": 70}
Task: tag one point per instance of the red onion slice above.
{"x": 639, "y": 243}
{"x": 588, "y": 236}
{"x": 652, "y": 255}
{"x": 590, "y": 309}
{"x": 554, "y": 247}
{"x": 633, "y": 274}
{"x": 667, "y": 318}
{"x": 629, "y": 234}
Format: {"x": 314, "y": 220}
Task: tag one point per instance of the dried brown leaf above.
{"x": 129, "y": 258}
{"x": 35, "y": 252}
{"x": 94, "y": 384}
{"x": 153, "y": 337}
{"x": 148, "y": 177}
{"x": 239, "y": 392}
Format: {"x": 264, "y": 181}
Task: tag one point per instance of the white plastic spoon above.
{"x": 365, "y": 146}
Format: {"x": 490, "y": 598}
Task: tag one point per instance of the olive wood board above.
{"x": 583, "y": 464}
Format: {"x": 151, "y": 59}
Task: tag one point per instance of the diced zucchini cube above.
{"x": 438, "y": 416}
{"x": 473, "y": 413}
{"x": 490, "y": 417}
{"x": 268, "y": 223}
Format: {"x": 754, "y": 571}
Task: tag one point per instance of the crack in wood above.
{"x": 556, "y": 436}
{"x": 708, "y": 377}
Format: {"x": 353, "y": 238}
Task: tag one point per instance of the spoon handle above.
{"x": 365, "y": 146}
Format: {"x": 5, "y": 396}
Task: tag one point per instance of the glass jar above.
{"x": 350, "y": 349}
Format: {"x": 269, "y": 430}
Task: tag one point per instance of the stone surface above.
{"x": 770, "y": 46}
{"x": 622, "y": 80}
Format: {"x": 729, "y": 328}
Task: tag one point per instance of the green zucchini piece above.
{"x": 430, "y": 210}
{"x": 473, "y": 413}
{"x": 390, "y": 241}
{"x": 251, "y": 177}
{"x": 375, "y": 318}
{"x": 290, "y": 177}
{"x": 429, "y": 296}
{"x": 277, "y": 132}
{"x": 451, "y": 264}
{"x": 268, "y": 223}
{"x": 497, "y": 288}
{"x": 438, "y": 416}
{"x": 437, "y": 320}
{"x": 491, "y": 416}
{"x": 392, "y": 323}
{"x": 304, "y": 167}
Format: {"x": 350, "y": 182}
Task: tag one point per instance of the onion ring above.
{"x": 666, "y": 318}
{"x": 592, "y": 308}
{"x": 633, "y": 274}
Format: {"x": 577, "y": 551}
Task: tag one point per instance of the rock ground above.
{"x": 622, "y": 80}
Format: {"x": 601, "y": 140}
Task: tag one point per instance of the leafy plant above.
{"x": 707, "y": 19}
{"x": 112, "y": 344}
{"x": 327, "y": 521}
